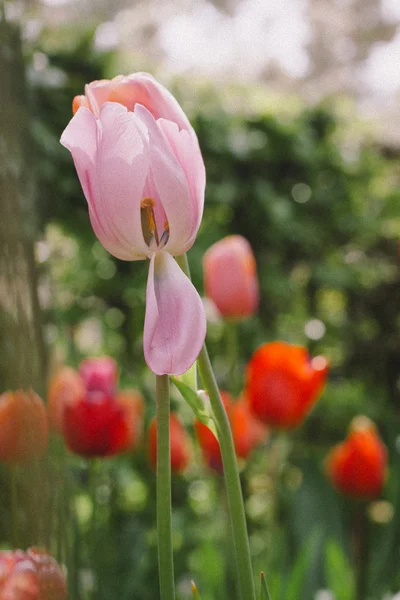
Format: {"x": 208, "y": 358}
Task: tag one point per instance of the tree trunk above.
{"x": 22, "y": 358}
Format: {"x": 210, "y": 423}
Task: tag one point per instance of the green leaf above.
{"x": 264, "y": 593}
{"x": 338, "y": 573}
{"x": 194, "y": 399}
{"x": 195, "y": 592}
{"x": 189, "y": 378}
{"x": 303, "y": 562}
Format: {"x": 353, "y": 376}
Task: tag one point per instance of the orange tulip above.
{"x": 357, "y": 466}
{"x": 247, "y": 432}
{"x": 283, "y": 383}
{"x": 230, "y": 277}
{"x": 23, "y": 426}
{"x": 65, "y": 387}
{"x": 30, "y": 575}
{"x": 180, "y": 444}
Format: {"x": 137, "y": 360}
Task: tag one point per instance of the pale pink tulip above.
{"x": 230, "y": 277}
{"x": 142, "y": 173}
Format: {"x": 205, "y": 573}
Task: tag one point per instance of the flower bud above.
{"x": 357, "y": 466}
{"x": 283, "y": 383}
{"x": 230, "y": 277}
{"x": 65, "y": 387}
{"x": 23, "y": 426}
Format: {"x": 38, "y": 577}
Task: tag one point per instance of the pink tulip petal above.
{"x": 187, "y": 151}
{"x": 112, "y": 160}
{"x": 175, "y": 324}
{"x": 81, "y": 138}
{"x": 171, "y": 184}
{"x": 123, "y": 163}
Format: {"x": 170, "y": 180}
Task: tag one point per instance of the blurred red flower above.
{"x": 230, "y": 277}
{"x": 30, "y": 575}
{"x": 180, "y": 444}
{"x": 357, "y": 467}
{"x": 247, "y": 432}
{"x": 283, "y": 383}
{"x": 23, "y": 426}
{"x": 95, "y": 418}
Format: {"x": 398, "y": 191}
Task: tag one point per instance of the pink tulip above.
{"x": 230, "y": 277}
{"x": 142, "y": 173}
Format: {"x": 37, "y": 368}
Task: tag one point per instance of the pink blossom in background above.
{"x": 230, "y": 277}
{"x": 30, "y": 575}
{"x": 142, "y": 173}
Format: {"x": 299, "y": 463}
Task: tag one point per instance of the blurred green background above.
{"x": 317, "y": 196}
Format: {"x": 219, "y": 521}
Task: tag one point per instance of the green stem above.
{"x": 14, "y": 505}
{"x": 164, "y": 508}
{"x": 231, "y": 473}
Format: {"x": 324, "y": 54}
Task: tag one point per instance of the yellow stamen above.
{"x": 148, "y": 220}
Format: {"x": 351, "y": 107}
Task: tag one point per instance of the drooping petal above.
{"x": 187, "y": 151}
{"x": 175, "y": 324}
{"x": 171, "y": 183}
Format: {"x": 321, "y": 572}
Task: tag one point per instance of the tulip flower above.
{"x": 283, "y": 383}
{"x": 23, "y": 426}
{"x": 357, "y": 467}
{"x": 180, "y": 444}
{"x": 95, "y": 418}
{"x": 142, "y": 173}
{"x": 247, "y": 432}
{"x": 230, "y": 277}
{"x": 30, "y": 575}
{"x": 65, "y": 387}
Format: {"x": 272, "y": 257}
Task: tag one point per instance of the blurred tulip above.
{"x": 230, "y": 277}
{"x": 142, "y": 173}
{"x": 357, "y": 467}
{"x": 23, "y": 426}
{"x": 94, "y": 418}
{"x": 99, "y": 374}
{"x": 65, "y": 387}
{"x": 247, "y": 432}
{"x": 30, "y": 575}
{"x": 283, "y": 383}
{"x": 180, "y": 444}
{"x": 132, "y": 401}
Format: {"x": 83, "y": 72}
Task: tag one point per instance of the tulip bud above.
{"x": 357, "y": 466}
{"x": 30, "y": 575}
{"x": 230, "y": 277}
{"x": 283, "y": 383}
{"x": 180, "y": 444}
{"x": 23, "y": 426}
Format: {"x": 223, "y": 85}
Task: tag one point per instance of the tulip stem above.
{"x": 164, "y": 508}
{"x": 231, "y": 473}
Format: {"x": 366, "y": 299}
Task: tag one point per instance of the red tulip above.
{"x": 23, "y": 426}
{"x": 180, "y": 444}
{"x": 247, "y": 432}
{"x": 94, "y": 418}
{"x": 357, "y": 466}
{"x": 30, "y": 575}
{"x": 230, "y": 277}
{"x": 283, "y": 383}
